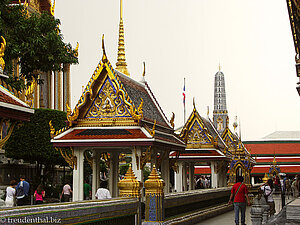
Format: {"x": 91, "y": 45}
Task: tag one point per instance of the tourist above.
{"x": 295, "y": 188}
{"x": 277, "y": 183}
{"x": 288, "y": 187}
{"x": 239, "y": 194}
{"x": 22, "y": 191}
{"x": 66, "y": 193}
{"x": 198, "y": 183}
{"x": 102, "y": 192}
{"x": 268, "y": 190}
{"x": 87, "y": 190}
{"x": 39, "y": 195}
{"x": 206, "y": 183}
{"x": 10, "y": 194}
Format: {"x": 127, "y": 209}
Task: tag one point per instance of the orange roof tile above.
{"x": 269, "y": 148}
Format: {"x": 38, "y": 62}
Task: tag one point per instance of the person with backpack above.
{"x": 239, "y": 194}
{"x": 39, "y": 195}
{"x": 22, "y": 191}
{"x": 268, "y": 190}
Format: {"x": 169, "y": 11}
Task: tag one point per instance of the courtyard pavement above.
{"x": 228, "y": 218}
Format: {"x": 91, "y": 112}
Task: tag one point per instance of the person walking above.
{"x": 87, "y": 190}
{"x": 102, "y": 192}
{"x": 39, "y": 195}
{"x": 239, "y": 195}
{"x": 22, "y": 191}
{"x": 10, "y": 194}
{"x": 66, "y": 193}
{"x": 295, "y": 188}
{"x": 268, "y": 191}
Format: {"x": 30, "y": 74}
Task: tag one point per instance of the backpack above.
{"x": 20, "y": 191}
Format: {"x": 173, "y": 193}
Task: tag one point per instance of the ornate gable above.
{"x": 195, "y": 133}
{"x": 198, "y": 135}
{"x": 229, "y": 139}
{"x": 105, "y": 102}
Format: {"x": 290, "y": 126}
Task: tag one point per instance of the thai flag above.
{"x": 183, "y": 93}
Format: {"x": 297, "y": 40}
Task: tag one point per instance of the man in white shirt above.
{"x": 102, "y": 192}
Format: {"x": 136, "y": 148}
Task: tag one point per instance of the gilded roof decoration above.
{"x": 230, "y": 139}
{"x": 121, "y": 60}
{"x": 72, "y": 116}
{"x": 52, "y": 8}
{"x": 76, "y": 54}
{"x": 195, "y": 133}
{"x": 53, "y": 132}
{"x": 108, "y": 104}
{"x": 151, "y": 132}
{"x": 2, "y": 49}
{"x": 105, "y": 98}
{"x": 172, "y": 120}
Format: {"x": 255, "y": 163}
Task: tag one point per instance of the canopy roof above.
{"x": 203, "y": 140}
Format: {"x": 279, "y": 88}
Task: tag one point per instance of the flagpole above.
{"x": 184, "y": 102}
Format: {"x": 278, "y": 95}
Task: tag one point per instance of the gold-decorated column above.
{"x": 66, "y": 87}
{"x": 154, "y": 206}
{"x": 57, "y": 90}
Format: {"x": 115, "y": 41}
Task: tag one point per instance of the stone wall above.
{"x": 116, "y": 211}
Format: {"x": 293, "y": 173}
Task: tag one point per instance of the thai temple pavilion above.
{"x": 114, "y": 115}
{"x": 276, "y": 153}
{"x": 212, "y": 146}
{"x": 242, "y": 162}
{"x": 55, "y": 91}
{"x": 204, "y": 147}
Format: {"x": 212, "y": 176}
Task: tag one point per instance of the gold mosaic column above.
{"x": 130, "y": 186}
{"x": 49, "y": 90}
{"x": 154, "y": 208}
{"x": 66, "y": 87}
{"x": 57, "y": 90}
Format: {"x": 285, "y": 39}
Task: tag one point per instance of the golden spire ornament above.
{"x": 121, "y": 61}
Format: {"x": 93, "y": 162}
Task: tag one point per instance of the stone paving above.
{"x": 228, "y": 218}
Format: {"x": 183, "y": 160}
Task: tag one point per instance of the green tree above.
{"x": 31, "y": 141}
{"x": 35, "y": 41}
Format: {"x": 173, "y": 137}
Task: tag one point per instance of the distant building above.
{"x": 212, "y": 148}
{"x": 220, "y": 113}
{"x": 279, "y": 150}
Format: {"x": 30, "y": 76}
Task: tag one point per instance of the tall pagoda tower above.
{"x": 220, "y": 113}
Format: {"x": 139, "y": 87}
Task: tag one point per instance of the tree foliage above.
{"x": 31, "y": 141}
{"x": 35, "y": 41}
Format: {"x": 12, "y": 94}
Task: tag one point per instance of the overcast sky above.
{"x": 251, "y": 39}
